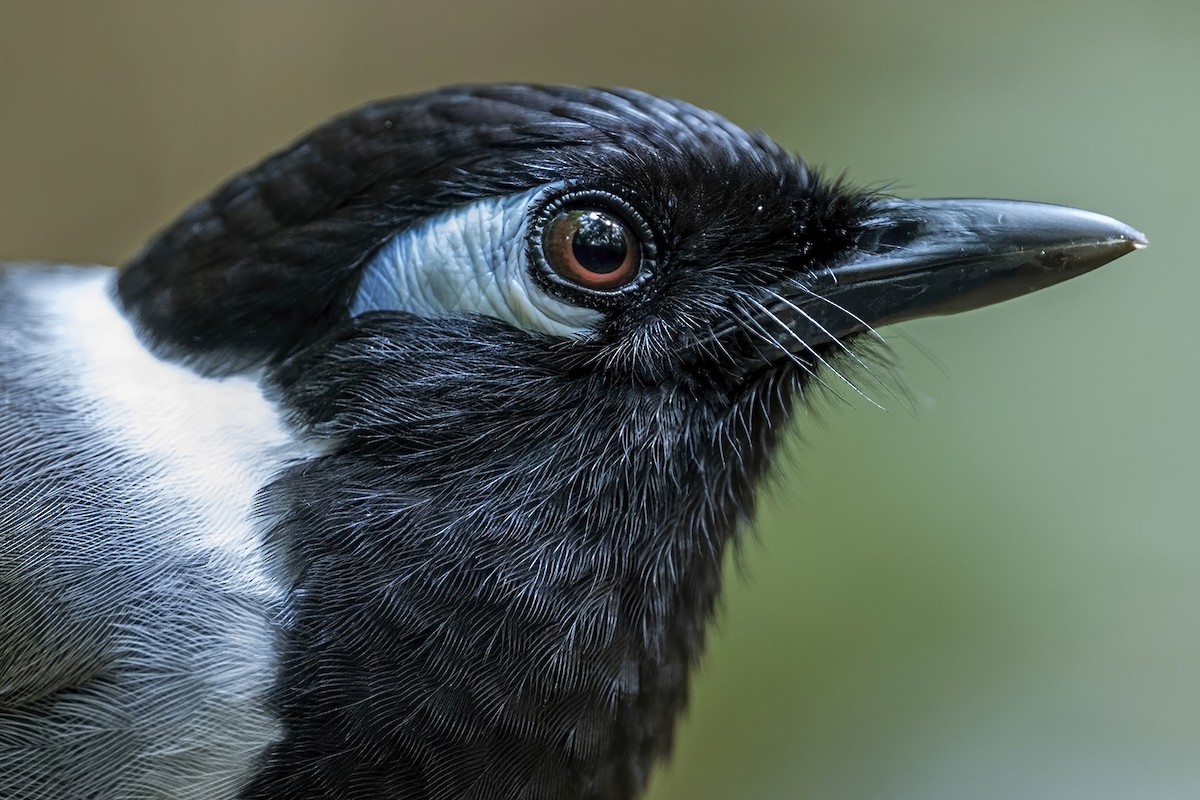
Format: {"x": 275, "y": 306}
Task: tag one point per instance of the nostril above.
{"x": 884, "y": 235}
{"x": 900, "y": 234}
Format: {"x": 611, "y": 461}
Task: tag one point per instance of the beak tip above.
{"x": 1127, "y": 235}
{"x": 1117, "y": 233}
{"x": 1129, "y": 241}
{"x": 1121, "y": 241}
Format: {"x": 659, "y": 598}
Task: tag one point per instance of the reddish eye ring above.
{"x": 591, "y": 248}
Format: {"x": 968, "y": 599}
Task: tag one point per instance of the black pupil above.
{"x": 599, "y": 243}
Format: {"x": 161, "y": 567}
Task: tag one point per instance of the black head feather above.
{"x": 271, "y": 260}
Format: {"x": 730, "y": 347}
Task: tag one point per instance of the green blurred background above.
{"x": 990, "y": 592}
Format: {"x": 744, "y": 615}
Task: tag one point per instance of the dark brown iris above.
{"x": 591, "y": 248}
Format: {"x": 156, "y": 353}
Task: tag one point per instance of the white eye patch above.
{"x": 471, "y": 260}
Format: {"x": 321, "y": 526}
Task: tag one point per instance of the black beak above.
{"x": 921, "y": 258}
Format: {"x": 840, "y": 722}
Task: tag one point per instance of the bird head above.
{"x": 642, "y": 236}
{"x": 550, "y": 337}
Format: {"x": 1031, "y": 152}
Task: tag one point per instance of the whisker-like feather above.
{"x": 758, "y": 330}
{"x": 818, "y": 296}
{"x": 800, "y": 340}
{"x": 841, "y": 344}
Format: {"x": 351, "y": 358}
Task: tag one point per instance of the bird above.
{"x": 405, "y": 465}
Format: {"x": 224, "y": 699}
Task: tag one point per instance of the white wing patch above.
{"x": 216, "y": 441}
{"x": 471, "y": 260}
{"x": 166, "y": 556}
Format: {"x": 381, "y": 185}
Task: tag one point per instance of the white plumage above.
{"x": 129, "y": 500}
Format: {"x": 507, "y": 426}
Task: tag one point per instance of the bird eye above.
{"x": 591, "y": 248}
